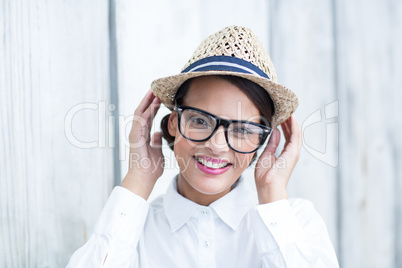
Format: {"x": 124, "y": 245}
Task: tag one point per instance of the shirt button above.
{"x": 204, "y": 212}
{"x": 123, "y": 214}
{"x": 274, "y": 223}
{"x": 206, "y": 244}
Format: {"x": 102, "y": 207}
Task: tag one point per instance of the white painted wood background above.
{"x": 342, "y": 58}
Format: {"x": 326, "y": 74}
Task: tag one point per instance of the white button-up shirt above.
{"x": 233, "y": 231}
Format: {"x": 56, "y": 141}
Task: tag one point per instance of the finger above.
{"x": 267, "y": 158}
{"x": 151, "y": 111}
{"x": 146, "y": 101}
{"x": 294, "y": 131}
{"x": 293, "y": 143}
{"x": 156, "y": 104}
{"x": 286, "y": 128}
{"x": 299, "y": 134}
{"x": 272, "y": 143}
{"x": 291, "y": 131}
{"x": 157, "y": 140}
{"x": 149, "y": 116}
{"x": 142, "y": 123}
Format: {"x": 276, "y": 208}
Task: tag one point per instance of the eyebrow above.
{"x": 259, "y": 117}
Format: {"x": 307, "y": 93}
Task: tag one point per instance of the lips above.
{"x": 212, "y": 165}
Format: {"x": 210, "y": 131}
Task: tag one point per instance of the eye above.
{"x": 242, "y": 131}
{"x": 245, "y": 131}
{"x": 199, "y": 122}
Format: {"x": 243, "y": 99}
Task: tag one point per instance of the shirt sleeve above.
{"x": 116, "y": 233}
{"x": 292, "y": 234}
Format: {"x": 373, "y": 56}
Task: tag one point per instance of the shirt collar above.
{"x": 234, "y": 206}
{"x": 231, "y": 208}
{"x": 178, "y": 209}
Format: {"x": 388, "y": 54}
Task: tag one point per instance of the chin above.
{"x": 210, "y": 185}
{"x": 209, "y": 179}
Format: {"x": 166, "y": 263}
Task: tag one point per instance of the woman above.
{"x": 224, "y": 105}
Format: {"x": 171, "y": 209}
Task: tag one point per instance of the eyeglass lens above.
{"x": 199, "y": 126}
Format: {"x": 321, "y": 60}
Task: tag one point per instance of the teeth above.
{"x": 210, "y": 164}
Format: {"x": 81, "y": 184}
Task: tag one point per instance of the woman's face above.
{"x": 197, "y": 181}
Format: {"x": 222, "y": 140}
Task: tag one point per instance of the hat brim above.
{"x": 285, "y": 101}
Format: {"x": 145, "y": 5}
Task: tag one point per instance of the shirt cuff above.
{"x": 123, "y": 217}
{"x": 281, "y": 222}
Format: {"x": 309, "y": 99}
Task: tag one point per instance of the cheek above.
{"x": 243, "y": 160}
{"x": 183, "y": 152}
{"x": 185, "y": 146}
{"x": 182, "y": 147}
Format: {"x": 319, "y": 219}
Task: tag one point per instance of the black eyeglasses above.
{"x": 241, "y": 136}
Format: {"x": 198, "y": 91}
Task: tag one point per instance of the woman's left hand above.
{"x": 272, "y": 174}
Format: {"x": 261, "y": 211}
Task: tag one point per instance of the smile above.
{"x": 212, "y": 163}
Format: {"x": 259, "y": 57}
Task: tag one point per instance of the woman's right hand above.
{"x": 146, "y": 161}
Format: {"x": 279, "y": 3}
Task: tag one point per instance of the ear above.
{"x": 172, "y": 124}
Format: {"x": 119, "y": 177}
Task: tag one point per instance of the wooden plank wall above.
{"x": 368, "y": 76}
{"x": 302, "y": 48}
{"x": 54, "y": 56}
{"x": 342, "y": 58}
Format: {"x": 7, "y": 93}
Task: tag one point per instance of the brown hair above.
{"x": 258, "y": 95}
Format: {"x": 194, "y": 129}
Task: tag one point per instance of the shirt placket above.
{"x": 206, "y": 238}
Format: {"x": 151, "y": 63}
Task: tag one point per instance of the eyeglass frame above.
{"x": 221, "y": 122}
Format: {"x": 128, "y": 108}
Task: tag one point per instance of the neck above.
{"x": 204, "y": 199}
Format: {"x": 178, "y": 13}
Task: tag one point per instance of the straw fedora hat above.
{"x": 236, "y": 51}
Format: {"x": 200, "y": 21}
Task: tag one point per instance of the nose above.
{"x": 217, "y": 143}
